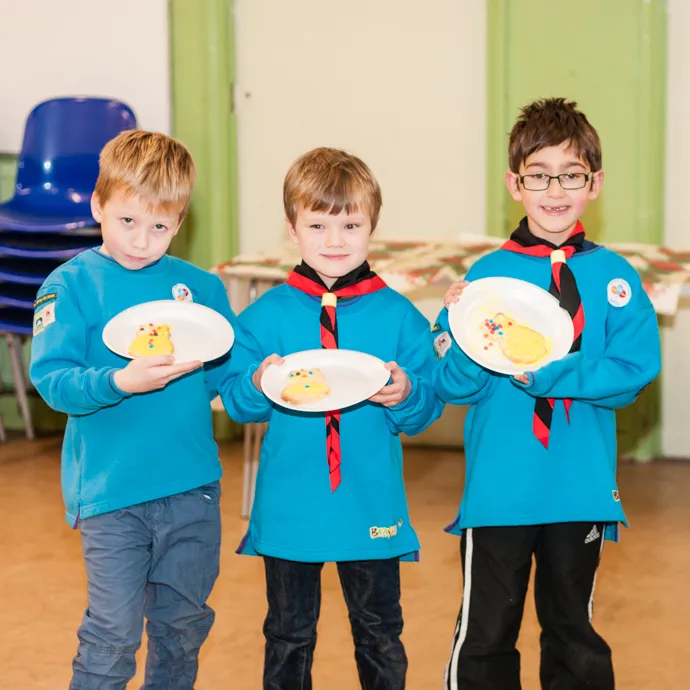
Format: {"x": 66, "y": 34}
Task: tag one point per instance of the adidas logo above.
{"x": 593, "y": 535}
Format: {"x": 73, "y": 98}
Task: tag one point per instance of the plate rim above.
{"x": 179, "y": 303}
{"x": 296, "y": 408}
{"x": 508, "y": 370}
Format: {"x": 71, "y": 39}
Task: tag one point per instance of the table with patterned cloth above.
{"x": 409, "y": 266}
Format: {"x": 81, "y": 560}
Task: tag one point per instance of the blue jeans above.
{"x": 160, "y": 560}
{"x": 372, "y": 595}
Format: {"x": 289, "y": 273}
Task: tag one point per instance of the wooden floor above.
{"x": 642, "y": 603}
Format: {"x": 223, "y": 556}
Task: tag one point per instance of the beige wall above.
{"x": 676, "y": 372}
{"x": 398, "y": 82}
{"x": 109, "y": 48}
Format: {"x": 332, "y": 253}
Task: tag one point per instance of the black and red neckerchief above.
{"x": 564, "y": 288}
{"x": 361, "y": 281}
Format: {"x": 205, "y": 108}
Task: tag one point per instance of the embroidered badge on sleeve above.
{"x": 44, "y": 312}
{"x": 442, "y": 344}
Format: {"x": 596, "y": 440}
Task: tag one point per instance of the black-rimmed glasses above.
{"x": 540, "y": 182}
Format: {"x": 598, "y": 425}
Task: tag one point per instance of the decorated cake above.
{"x": 152, "y": 340}
{"x": 305, "y": 385}
{"x": 520, "y": 344}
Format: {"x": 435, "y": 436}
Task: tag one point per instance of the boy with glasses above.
{"x": 541, "y": 448}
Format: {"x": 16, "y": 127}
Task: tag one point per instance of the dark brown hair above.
{"x": 550, "y": 122}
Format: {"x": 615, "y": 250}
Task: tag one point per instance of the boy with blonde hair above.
{"x": 330, "y": 486}
{"x": 140, "y": 466}
{"x": 541, "y": 448}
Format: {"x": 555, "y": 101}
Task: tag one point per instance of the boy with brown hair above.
{"x": 541, "y": 448}
{"x": 140, "y": 466}
{"x": 330, "y": 486}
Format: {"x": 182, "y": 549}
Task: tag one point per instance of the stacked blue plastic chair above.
{"x": 48, "y": 220}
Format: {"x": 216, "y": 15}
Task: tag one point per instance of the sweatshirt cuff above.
{"x": 110, "y": 391}
{"x": 463, "y": 363}
{"x": 410, "y": 400}
{"x": 254, "y": 396}
{"x": 540, "y": 382}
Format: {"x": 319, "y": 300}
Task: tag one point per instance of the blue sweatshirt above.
{"x": 295, "y": 515}
{"x": 511, "y": 479}
{"x": 121, "y": 449}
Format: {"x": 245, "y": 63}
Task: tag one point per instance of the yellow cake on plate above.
{"x": 305, "y": 385}
{"x": 152, "y": 340}
{"x": 520, "y": 344}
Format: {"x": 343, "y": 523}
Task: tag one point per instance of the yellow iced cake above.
{"x": 305, "y": 385}
{"x": 152, "y": 340}
{"x": 520, "y": 344}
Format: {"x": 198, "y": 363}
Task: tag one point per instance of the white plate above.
{"x": 352, "y": 377}
{"x": 197, "y": 332}
{"x": 526, "y": 304}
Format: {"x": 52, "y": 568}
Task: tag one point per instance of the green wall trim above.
{"x": 651, "y": 122}
{"x": 203, "y": 76}
{"x": 8, "y": 175}
{"x": 497, "y": 143}
{"x": 641, "y": 423}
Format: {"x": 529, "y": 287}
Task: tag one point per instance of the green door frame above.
{"x": 202, "y": 52}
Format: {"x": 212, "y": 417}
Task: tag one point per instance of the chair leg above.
{"x": 259, "y": 432}
{"x": 3, "y": 432}
{"x": 247, "y": 470}
{"x": 14, "y": 344}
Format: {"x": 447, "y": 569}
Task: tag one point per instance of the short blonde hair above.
{"x": 331, "y": 180}
{"x": 153, "y": 165}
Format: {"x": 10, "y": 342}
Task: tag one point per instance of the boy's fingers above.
{"x": 387, "y": 393}
{"x": 182, "y": 368}
{"x": 393, "y": 387}
{"x": 394, "y": 369}
{"x": 388, "y": 401}
{"x": 378, "y": 398}
{"x": 273, "y": 359}
{"x": 158, "y": 360}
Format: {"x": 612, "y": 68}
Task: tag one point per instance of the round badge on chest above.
{"x": 182, "y": 293}
{"x": 618, "y": 292}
